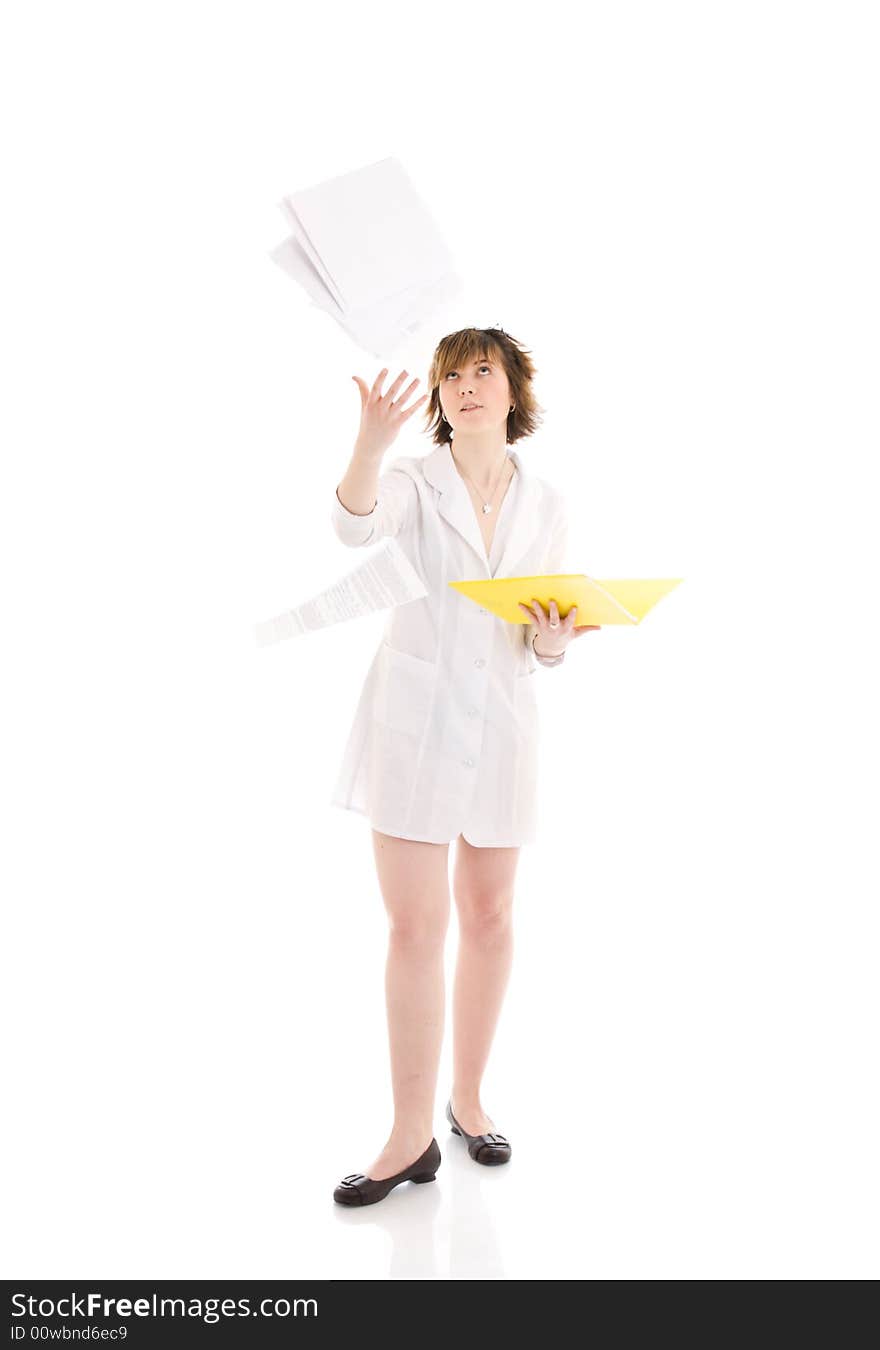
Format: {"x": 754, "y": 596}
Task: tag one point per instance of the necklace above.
{"x": 486, "y": 505}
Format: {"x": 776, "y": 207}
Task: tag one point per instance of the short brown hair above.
{"x": 493, "y": 344}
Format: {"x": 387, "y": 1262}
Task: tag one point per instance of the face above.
{"x": 480, "y": 381}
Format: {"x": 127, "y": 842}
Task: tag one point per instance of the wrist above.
{"x": 365, "y": 453}
{"x": 546, "y": 656}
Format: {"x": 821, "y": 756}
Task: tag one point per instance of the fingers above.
{"x": 568, "y": 622}
{"x": 406, "y": 393}
{"x": 553, "y": 612}
{"x": 418, "y": 403}
{"x": 536, "y": 608}
{"x": 377, "y": 383}
{"x": 398, "y": 408}
{"x": 536, "y": 611}
{"x": 397, "y": 383}
{"x": 387, "y": 400}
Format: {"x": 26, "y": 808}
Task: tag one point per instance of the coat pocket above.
{"x": 525, "y": 702}
{"x": 405, "y": 690}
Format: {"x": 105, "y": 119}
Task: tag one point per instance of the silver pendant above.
{"x": 486, "y": 508}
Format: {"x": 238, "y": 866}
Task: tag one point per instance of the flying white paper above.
{"x": 385, "y": 579}
{"x": 366, "y": 250}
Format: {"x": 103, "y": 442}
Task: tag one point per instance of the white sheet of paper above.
{"x": 380, "y": 328}
{"x": 369, "y": 232}
{"x": 311, "y": 255}
{"x": 385, "y": 579}
{"x": 293, "y": 259}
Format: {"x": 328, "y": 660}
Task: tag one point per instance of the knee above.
{"x": 486, "y": 915}
{"x": 418, "y": 934}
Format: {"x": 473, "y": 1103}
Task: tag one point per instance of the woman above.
{"x": 444, "y": 742}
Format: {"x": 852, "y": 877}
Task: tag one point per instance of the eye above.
{"x": 482, "y": 367}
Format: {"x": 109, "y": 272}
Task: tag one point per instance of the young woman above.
{"x": 443, "y": 746}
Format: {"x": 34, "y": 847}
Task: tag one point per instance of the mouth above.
{"x": 470, "y": 407}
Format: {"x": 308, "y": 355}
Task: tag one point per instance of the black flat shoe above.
{"x": 356, "y": 1189}
{"x": 491, "y": 1149}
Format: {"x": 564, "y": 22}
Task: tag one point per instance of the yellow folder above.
{"x": 598, "y": 602}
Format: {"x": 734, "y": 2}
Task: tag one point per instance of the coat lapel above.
{"x": 455, "y": 506}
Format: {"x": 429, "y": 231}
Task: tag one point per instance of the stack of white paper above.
{"x": 367, "y": 251}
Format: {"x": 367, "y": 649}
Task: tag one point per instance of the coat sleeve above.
{"x": 395, "y": 498}
{"x": 557, "y": 555}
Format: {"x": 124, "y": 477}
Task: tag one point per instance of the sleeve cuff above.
{"x": 351, "y": 528}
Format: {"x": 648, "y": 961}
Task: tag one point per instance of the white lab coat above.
{"x": 445, "y": 735}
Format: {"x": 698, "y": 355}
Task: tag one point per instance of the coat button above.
{"x": 469, "y": 763}
{"x": 479, "y": 661}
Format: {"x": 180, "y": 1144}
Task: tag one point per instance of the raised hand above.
{"x": 382, "y": 415}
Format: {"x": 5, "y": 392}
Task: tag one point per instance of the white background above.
{"x": 675, "y": 208}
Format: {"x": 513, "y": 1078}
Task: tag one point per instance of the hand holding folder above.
{"x": 625, "y": 600}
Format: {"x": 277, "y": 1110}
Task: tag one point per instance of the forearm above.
{"x": 358, "y": 489}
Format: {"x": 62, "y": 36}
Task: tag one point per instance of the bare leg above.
{"x": 414, "y": 879}
{"x": 483, "y": 884}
